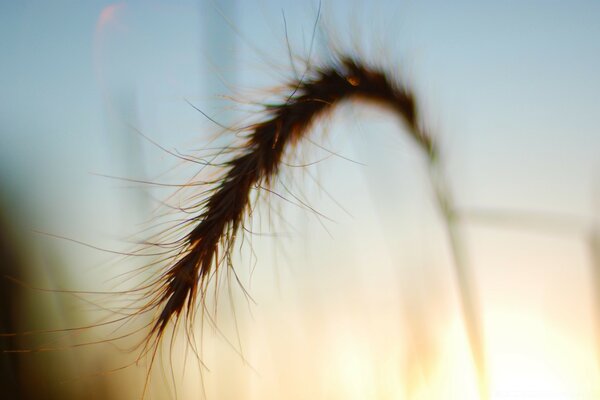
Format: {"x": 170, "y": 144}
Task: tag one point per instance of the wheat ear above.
{"x": 208, "y": 245}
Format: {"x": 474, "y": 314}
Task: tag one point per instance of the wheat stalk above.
{"x": 183, "y": 285}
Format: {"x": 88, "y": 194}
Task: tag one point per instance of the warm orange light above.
{"x": 109, "y": 13}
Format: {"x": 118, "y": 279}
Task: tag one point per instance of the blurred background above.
{"x": 362, "y": 304}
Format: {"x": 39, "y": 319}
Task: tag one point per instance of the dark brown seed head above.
{"x": 186, "y": 280}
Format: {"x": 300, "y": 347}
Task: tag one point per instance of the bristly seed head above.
{"x": 184, "y": 283}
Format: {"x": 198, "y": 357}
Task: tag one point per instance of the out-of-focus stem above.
{"x": 463, "y": 275}
{"x": 594, "y": 246}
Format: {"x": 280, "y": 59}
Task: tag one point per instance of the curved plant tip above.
{"x": 182, "y": 286}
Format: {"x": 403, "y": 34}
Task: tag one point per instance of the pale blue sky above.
{"x": 512, "y": 85}
{"x": 511, "y": 89}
